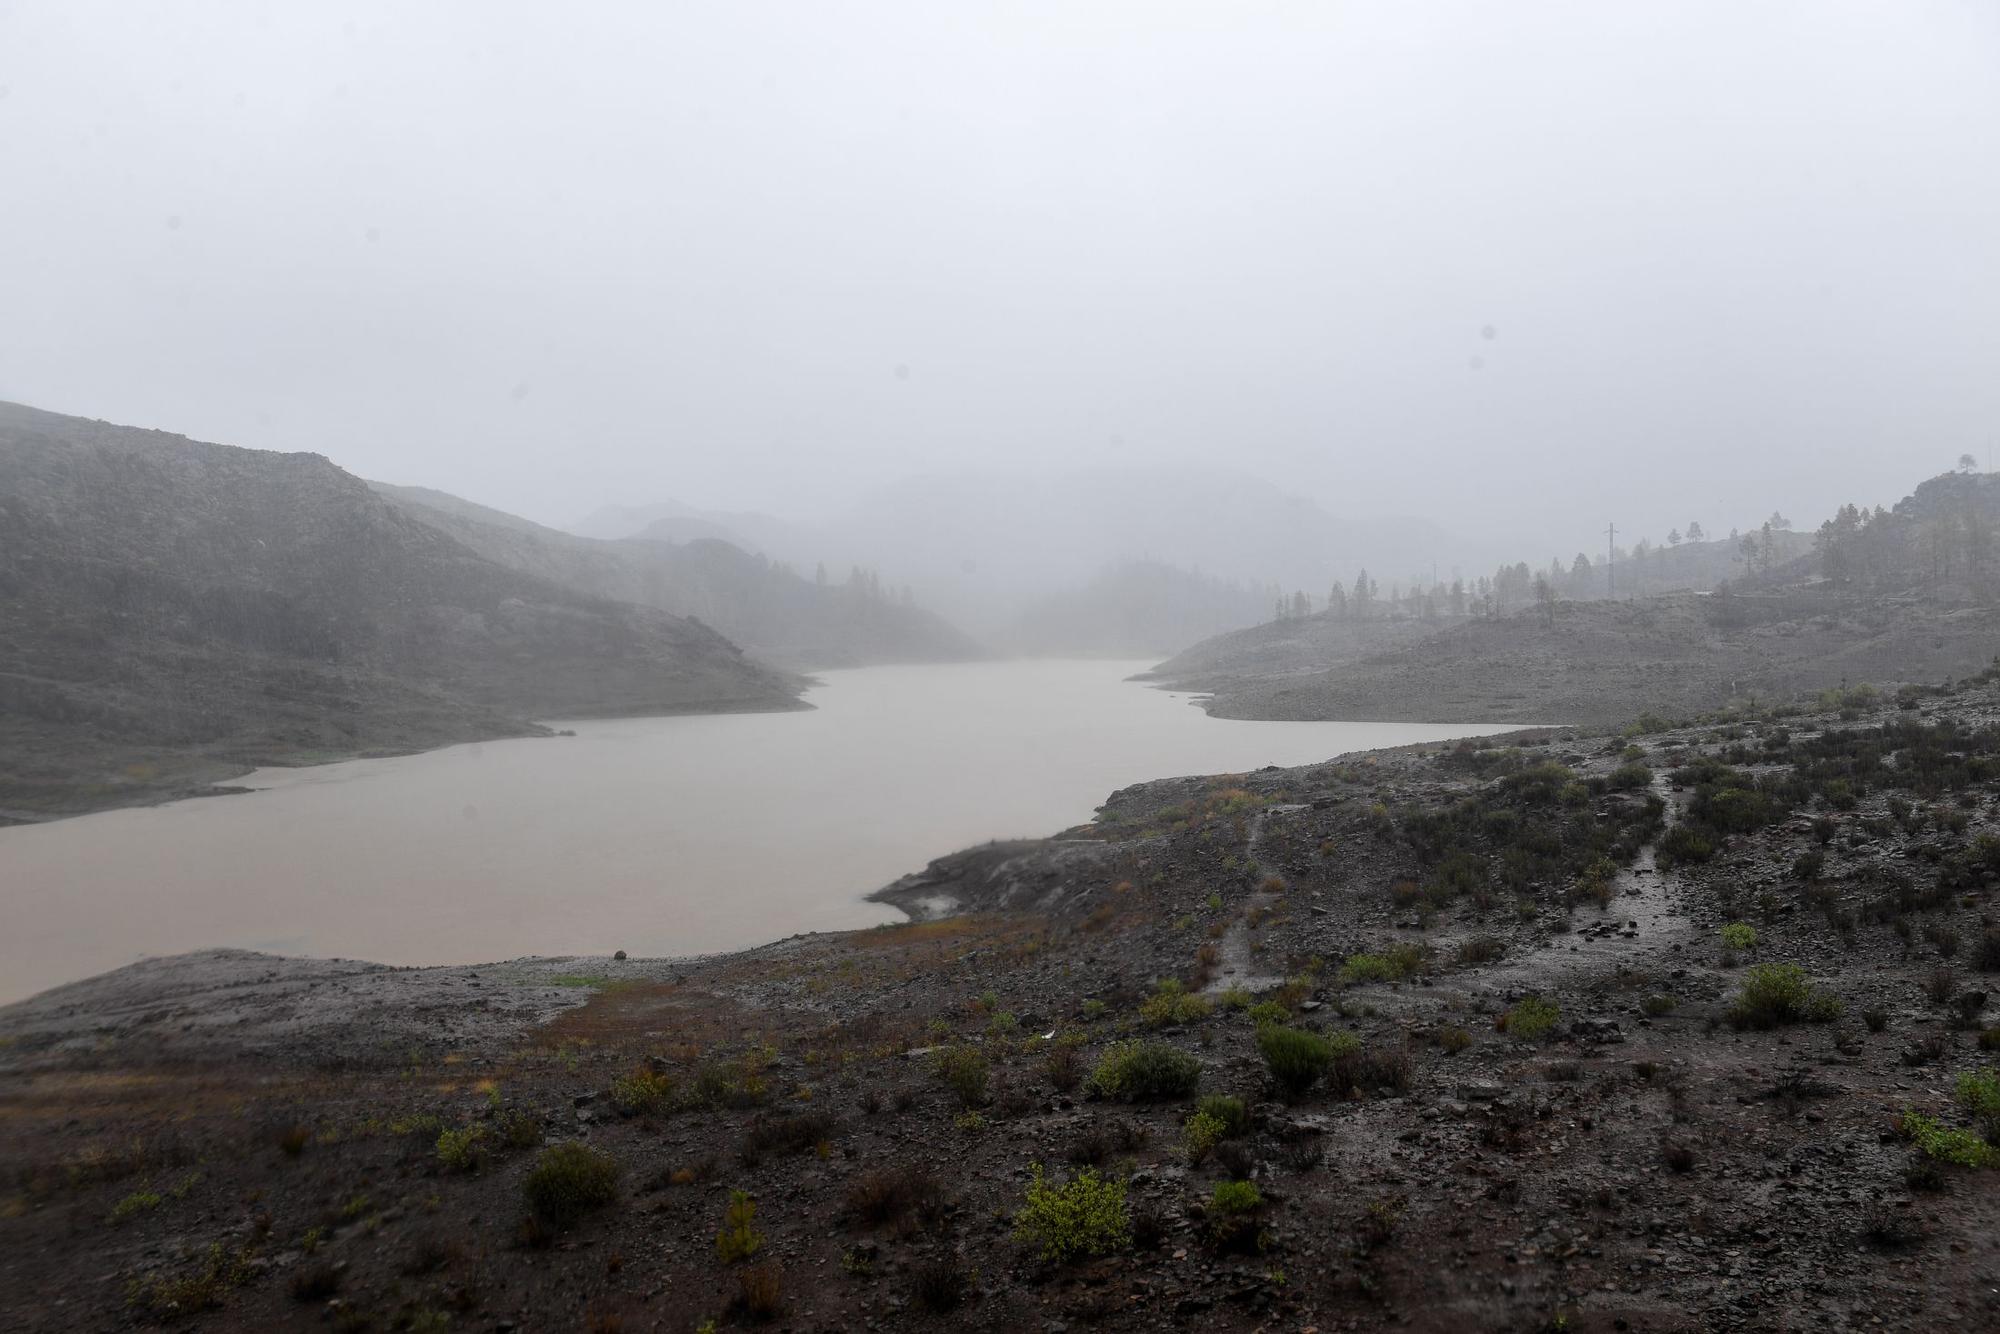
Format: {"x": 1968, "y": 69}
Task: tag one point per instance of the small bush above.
{"x": 738, "y": 1237}
{"x": 964, "y": 1070}
{"x": 889, "y": 1194}
{"x": 1451, "y": 1039}
{"x": 138, "y": 1202}
{"x": 1170, "y": 1004}
{"x": 1267, "y": 1012}
{"x": 1940, "y": 985}
{"x": 1776, "y": 994}
{"x": 1086, "y": 1215}
{"x": 1481, "y": 949}
{"x": 1062, "y": 1065}
{"x": 1739, "y": 936}
{"x": 641, "y": 1092}
{"x": 1235, "y": 1197}
{"x": 1681, "y": 846}
{"x": 1232, "y": 1223}
{"x": 1145, "y": 1072}
{"x": 569, "y": 1181}
{"x": 1202, "y": 1133}
{"x": 1948, "y": 1145}
{"x": 1979, "y": 1093}
{"x": 1395, "y": 964}
{"x": 939, "y": 1284}
{"x": 461, "y": 1150}
{"x": 1097, "y": 1142}
{"x": 786, "y": 1135}
{"x": 1658, "y": 1005}
{"x": 1235, "y": 1117}
{"x": 1298, "y": 1059}
{"x": 760, "y": 1292}
{"x": 1531, "y": 1018}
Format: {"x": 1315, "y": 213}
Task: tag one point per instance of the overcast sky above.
{"x": 1518, "y": 266}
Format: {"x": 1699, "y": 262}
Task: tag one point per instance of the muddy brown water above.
{"x": 660, "y": 836}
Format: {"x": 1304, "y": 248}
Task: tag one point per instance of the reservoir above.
{"x": 658, "y": 836}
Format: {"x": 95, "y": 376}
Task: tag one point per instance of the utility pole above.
{"x": 1611, "y": 560}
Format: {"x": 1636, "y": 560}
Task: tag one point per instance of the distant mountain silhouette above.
{"x": 763, "y": 605}
{"x": 988, "y": 550}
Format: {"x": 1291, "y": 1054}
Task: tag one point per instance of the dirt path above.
{"x": 1647, "y": 917}
{"x": 1239, "y": 965}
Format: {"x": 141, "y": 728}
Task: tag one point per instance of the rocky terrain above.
{"x": 178, "y": 611}
{"x": 1680, "y": 653}
{"x": 1678, "y": 1026}
{"x": 1885, "y": 595}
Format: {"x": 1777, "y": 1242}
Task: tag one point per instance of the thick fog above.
{"x": 1518, "y": 269}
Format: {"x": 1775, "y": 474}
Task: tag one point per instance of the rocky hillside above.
{"x": 1680, "y": 1028}
{"x": 1598, "y": 661}
{"x": 765, "y": 606}
{"x": 177, "y": 610}
{"x": 1906, "y": 594}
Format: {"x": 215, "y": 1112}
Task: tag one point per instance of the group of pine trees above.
{"x": 1939, "y": 539}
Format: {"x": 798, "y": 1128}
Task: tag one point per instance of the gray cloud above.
{"x": 1516, "y": 267}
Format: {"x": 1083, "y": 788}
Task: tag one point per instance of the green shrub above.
{"x": 964, "y": 1069}
{"x": 1202, "y": 1133}
{"x": 1235, "y": 1197}
{"x": 1630, "y": 777}
{"x": 1979, "y": 1093}
{"x": 569, "y": 1181}
{"x": 1234, "y": 997}
{"x": 738, "y": 1237}
{"x": 1145, "y": 1072}
{"x": 1532, "y": 1018}
{"x": 1392, "y": 965}
{"x": 138, "y": 1202}
{"x": 519, "y": 1130}
{"x": 1171, "y": 1004}
{"x": 1235, "y": 1117}
{"x": 1658, "y": 1004}
{"x": 1739, "y": 936}
{"x": 1776, "y": 994}
{"x": 1948, "y": 1145}
{"x": 640, "y": 1092}
{"x": 1298, "y": 1059}
{"x": 1086, "y": 1215}
{"x": 1267, "y": 1012}
{"x": 1681, "y": 846}
{"x": 461, "y": 1150}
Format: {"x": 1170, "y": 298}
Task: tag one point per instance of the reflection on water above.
{"x": 659, "y": 836}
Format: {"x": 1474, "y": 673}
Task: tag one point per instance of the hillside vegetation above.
{"x": 1899, "y": 594}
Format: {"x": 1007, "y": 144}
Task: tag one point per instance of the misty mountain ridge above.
{"x": 763, "y": 605}
{"x": 1903, "y": 594}
{"x": 984, "y": 548}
